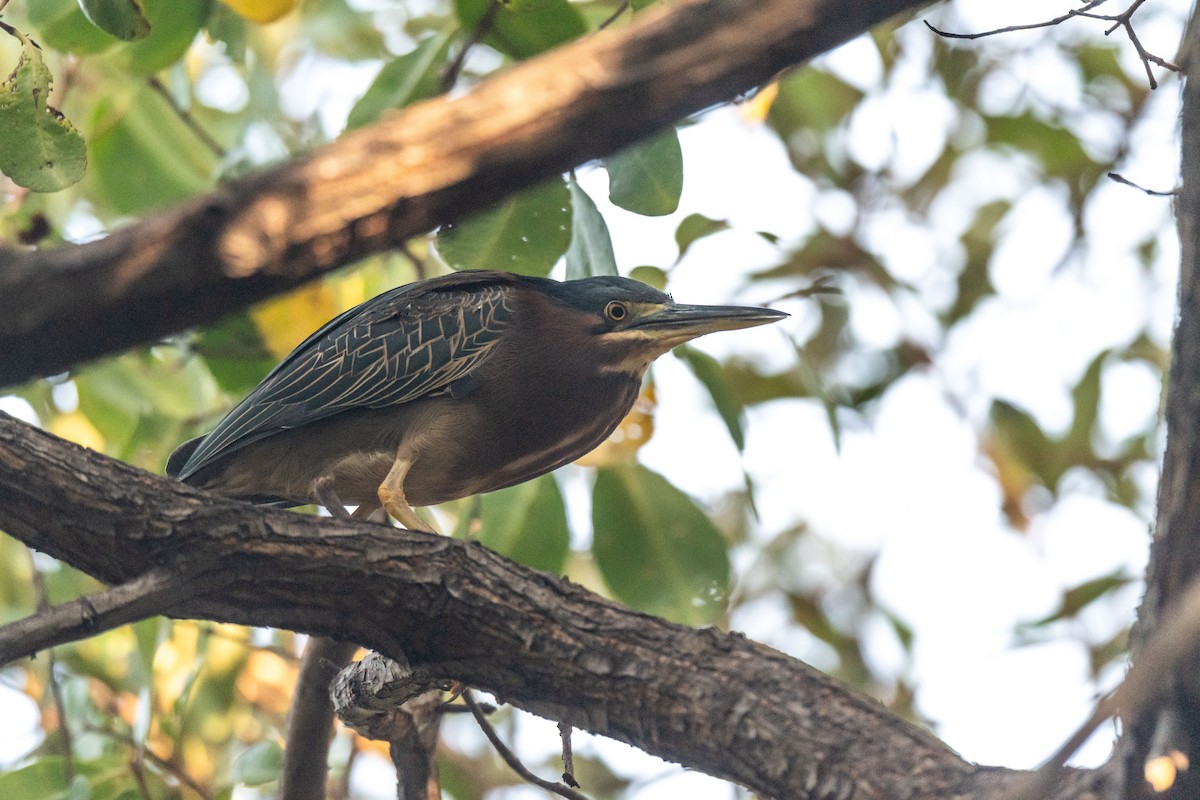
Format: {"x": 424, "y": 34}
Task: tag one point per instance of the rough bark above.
{"x": 1173, "y": 723}
{"x": 714, "y": 701}
{"x": 433, "y": 163}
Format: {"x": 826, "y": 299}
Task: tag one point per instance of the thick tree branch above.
{"x": 374, "y": 188}
{"x": 1173, "y": 725}
{"x": 714, "y": 701}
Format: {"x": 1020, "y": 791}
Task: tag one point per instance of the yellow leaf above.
{"x": 1014, "y": 479}
{"x": 268, "y": 680}
{"x": 754, "y": 111}
{"x": 198, "y": 758}
{"x": 287, "y": 321}
{"x": 633, "y": 432}
{"x": 261, "y": 10}
{"x": 77, "y": 428}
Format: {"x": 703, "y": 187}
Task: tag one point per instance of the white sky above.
{"x": 908, "y": 481}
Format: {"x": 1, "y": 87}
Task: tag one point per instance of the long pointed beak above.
{"x": 677, "y": 324}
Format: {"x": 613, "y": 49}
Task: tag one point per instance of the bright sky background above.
{"x": 907, "y": 481}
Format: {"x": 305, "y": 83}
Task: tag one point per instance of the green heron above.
{"x": 446, "y": 388}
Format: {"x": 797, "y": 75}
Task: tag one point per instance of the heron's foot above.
{"x": 322, "y": 489}
{"x": 394, "y": 503}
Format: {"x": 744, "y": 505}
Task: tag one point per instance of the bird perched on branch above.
{"x": 446, "y": 388}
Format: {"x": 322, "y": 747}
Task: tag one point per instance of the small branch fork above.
{"x": 1123, "y": 20}
{"x": 152, "y": 593}
{"x": 510, "y": 758}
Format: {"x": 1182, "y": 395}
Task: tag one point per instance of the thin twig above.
{"x": 149, "y": 594}
{"x": 422, "y": 269}
{"x": 168, "y": 766}
{"x": 186, "y": 117}
{"x": 613, "y": 17}
{"x": 481, "y": 29}
{"x": 511, "y": 759}
{"x": 43, "y": 603}
{"x": 568, "y": 755}
{"x": 136, "y": 766}
{"x": 1076, "y": 12}
{"x": 1124, "y": 21}
{"x": 1119, "y": 178}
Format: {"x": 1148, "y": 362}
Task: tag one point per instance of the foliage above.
{"x": 170, "y": 103}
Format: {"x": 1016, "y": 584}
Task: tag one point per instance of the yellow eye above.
{"x": 616, "y": 311}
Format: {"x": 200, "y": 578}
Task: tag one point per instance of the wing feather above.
{"x": 411, "y": 342}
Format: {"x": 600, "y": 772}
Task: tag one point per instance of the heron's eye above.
{"x": 616, "y": 311}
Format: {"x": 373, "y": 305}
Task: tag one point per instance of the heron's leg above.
{"x": 391, "y": 497}
{"x": 371, "y": 511}
{"x": 322, "y": 489}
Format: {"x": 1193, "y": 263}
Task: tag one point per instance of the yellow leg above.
{"x": 391, "y": 496}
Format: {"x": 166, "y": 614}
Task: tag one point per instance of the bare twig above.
{"x": 43, "y": 604}
{"x": 481, "y": 29}
{"x": 1075, "y": 12}
{"x": 419, "y": 264}
{"x": 186, "y": 117}
{"x": 1119, "y": 178}
{"x": 153, "y": 592}
{"x": 166, "y": 765}
{"x": 568, "y": 755}
{"x": 1122, "y": 20}
{"x": 139, "y": 773}
{"x": 613, "y": 17}
{"x": 510, "y": 758}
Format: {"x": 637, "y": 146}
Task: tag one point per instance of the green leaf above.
{"x": 656, "y": 550}
{"x": 527, "y": 523}
{"x": 144, "y": 156}
{"x": 591, "y": 251}
{"x": 1076, "y": 599}
{"x": 234, "y": 352}
{"x": 694, "y": 227}
{"x": 708, "y": 371}
{"x": 42, "y": 151}
{"x": 647, "y": 178}
{"x": 813, "y": 99}
{"x": 523, "y": 28}
{"x": 46, "y": 779}
{"x": 174, "y": 25}
{"x": 61, "y": 25}
{"x": 124, "y": 19}
{"x": 979, "y": 240}
{"x": 1060, "y": 151}
{"x": 1086, "y": 399}
{"x": 403, "y": 81}
{"x": 651, "y": 276}
{"x": 810, "y": 105}
{"x": 227, "y": 27}
{"x": 258, "y": 764}
{"x": 527, "y": 233}
{"x": 337, "y": 29}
